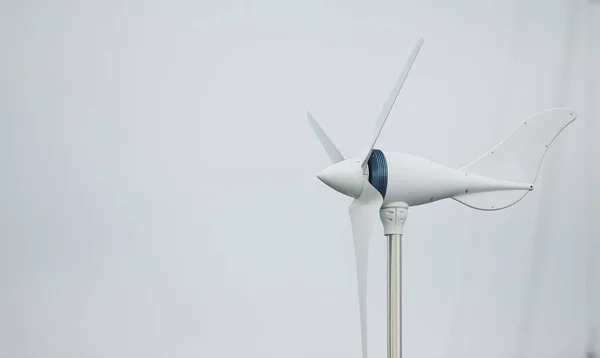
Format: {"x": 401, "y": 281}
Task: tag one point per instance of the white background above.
{"x": 158, "y": 195}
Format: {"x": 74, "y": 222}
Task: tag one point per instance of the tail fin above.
{"x": 517, "y": 158}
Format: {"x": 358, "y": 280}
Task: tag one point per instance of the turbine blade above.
{"x": 387, "y": 107}
{"x": 332, "y": 151}
{"x": 364, "y": 211}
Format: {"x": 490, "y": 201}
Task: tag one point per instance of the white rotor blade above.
{"x": 387, "y": 107}
{"x": 332, "y": 151}
{"x": 364, "y": 212}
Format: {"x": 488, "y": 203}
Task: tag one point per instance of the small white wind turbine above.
{"x": 389, "y": 183}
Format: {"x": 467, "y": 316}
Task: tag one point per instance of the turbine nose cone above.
{"x": 345, "y": 177}
{"x": 324, "y": 177}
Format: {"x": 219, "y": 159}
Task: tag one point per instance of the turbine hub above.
{"x": 346, "y": 177}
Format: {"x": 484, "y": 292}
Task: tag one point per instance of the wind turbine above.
{"x": 389, "y": 183}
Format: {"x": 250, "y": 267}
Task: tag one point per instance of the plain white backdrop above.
{"x": 158, "y": 195}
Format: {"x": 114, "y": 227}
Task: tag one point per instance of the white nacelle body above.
{"x": 415, "y": 181}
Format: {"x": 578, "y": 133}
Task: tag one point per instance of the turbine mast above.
{"x": 393, "y": 217}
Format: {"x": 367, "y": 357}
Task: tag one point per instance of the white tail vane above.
{"x": 518, "y": 158}
{"x": 396, "y": 181}
{"x": 389, "y": 104}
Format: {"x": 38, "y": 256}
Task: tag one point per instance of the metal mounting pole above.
{"x": 393, "y": 217}
{"x": 394, "y": 298}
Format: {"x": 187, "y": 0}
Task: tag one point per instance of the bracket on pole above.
{"x": 393, "y": 216}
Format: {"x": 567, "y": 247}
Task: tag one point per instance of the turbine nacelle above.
{"x": 346, "y": 177}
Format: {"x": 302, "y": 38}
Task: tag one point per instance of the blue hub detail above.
{"x": 378, "y": 171}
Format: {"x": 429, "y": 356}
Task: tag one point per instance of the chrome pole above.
{"x": 394, "y": 297}
{"x": 393, "y": 216}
